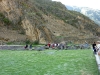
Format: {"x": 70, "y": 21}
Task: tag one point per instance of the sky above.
{"x": 95, "y": 4}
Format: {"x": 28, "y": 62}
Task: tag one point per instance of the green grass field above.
{"x": 48, "y": 62}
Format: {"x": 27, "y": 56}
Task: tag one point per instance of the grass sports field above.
{"x": 48, "y": 62}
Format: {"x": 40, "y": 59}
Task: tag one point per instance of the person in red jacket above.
{"x": 49, "y": 45}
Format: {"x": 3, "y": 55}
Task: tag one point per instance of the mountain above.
{"x": 44, "y": 21}
{"x": 93, "y": 14}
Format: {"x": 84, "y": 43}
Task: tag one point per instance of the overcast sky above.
{"x": 95, "y": 4}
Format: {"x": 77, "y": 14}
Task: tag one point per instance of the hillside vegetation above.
{"x": 44, "y": 21}
{"x": 93, "y": 14}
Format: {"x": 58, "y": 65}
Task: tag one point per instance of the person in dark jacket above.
{"x": 94, "y": 47}
{"x": 26, "y": 47}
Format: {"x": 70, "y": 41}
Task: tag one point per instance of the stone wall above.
{"x": 11, "y": 47}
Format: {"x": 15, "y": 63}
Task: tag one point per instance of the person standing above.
{"x": 98, "y": 47}
{"x": 94, "y": 47}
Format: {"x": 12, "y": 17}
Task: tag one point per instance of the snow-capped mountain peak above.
{"x": 93, "y": 14}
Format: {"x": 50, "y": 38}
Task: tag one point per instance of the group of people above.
{"x": 56, "y": 45}
{"x": 28, "y": 47}
{"x": 47, "y": 46}
{"x": 96, "y": 47}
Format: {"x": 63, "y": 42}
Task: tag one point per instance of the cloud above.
{"x": 82, "y": 3}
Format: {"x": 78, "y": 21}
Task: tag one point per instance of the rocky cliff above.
{"x": 23, "y": 13}
{"x": 43, "y": 21}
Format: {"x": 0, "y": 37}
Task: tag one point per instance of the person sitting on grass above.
{"x": 26, "y": 47}
{"x": 49, "y": 45}
{"x": 30, "y": 46}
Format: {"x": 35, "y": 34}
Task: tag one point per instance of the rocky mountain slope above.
{"x": 93, "y": 14}
{"x": 44, "y": 21}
